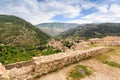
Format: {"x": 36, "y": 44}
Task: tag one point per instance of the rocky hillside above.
{"x": 16, "y": 31}
{"x": 93, "y": 31}
{"x": 55, "y": 28}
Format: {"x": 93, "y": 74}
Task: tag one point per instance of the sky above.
{"x": 68, "y": 11}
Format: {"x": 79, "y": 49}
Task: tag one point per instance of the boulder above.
{"x": 3, "y": 73}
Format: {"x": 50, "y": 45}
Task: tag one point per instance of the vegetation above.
{"x": 67, "y": 44}
{"x": 112, "y": 63}
{"x": 50, "y": 50}
{"x": 57, "y": 39}
{"x": 12, "y": 54}
{"x": 18, "y": 32}
{"x": 105, "y": 58}
{"x": 37, "y": 76}
{"x": 22, "y": 40}
{"x": 93, "y": 31}
{"x": 80, "y": 71}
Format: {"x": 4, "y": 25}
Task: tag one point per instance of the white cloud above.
{"x": 57, "y": 8}
{"x": 36, "y": 12}
{"x": 88, "y": 5}
{"x": 40, "y": 12}
{"x": 105, "y": 14}
{"x": 102, "y": 8}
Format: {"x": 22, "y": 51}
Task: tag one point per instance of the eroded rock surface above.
{"x": 3, "y": 73}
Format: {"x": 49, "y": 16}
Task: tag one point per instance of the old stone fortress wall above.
{"x": 45, "y": 64}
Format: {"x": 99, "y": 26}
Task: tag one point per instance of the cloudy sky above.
{"x": 69, "y": 11}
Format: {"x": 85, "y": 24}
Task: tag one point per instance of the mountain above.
{"x": 16, "y": 31}
{"x": 93, "y": 31}
{"x": 55, "y": 28}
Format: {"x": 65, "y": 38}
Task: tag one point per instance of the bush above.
{"x": 41, "y": 48}
{"x": 56, "y": 39}
{"x": 50, "y": 50}
{"x": 30, "y": 48}
{"x": 67, "y": 44}
{"x": 79, "y": 71}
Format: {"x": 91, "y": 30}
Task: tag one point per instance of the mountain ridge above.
{"x": 93, "y": 31}
{"x": 17, "y": 31}
{"x": 55, "y": 28}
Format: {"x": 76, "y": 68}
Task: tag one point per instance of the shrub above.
{"x": 56, "y": 39}
{"x": 41, "y": 48}
{"x": 67, "y": 44}
{"x": 79, "y": 71}
{"x": 50, "y": 50}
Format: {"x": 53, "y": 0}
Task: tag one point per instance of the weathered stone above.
{"x": 114, "y": 43}
{"x": 19, "y": 64}
{"x": 45, "y": 64}
{"x": 3, "y": 72}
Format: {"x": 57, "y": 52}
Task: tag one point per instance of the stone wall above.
{"x": 19, "y": 64}
{"x": 45, "y": 64}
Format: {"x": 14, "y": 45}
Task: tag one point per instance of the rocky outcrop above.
{"x": 3, "y": 73}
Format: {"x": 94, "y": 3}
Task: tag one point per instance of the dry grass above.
{"x": 106, "y": 58}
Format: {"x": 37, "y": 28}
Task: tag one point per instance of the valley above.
{"x": 56, "y": 28}
{"x": 59, "y": 40}
{"x": 77, "y": 52}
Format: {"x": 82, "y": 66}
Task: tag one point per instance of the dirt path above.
{"x": 101, "y": 72}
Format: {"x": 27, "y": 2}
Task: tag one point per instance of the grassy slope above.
{"x": 93, "y": 31}
{"x": 106, "y": 58}
{"x": 14, "y": 30}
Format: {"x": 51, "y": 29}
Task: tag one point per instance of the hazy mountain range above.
{"x": 55, "y": 28}
{"x": 14, "y": 30}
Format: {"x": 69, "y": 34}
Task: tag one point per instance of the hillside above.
{"x": 16, "y": 31}
{"x": 93, "y": 31}
{"x": 55, "y": 28}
